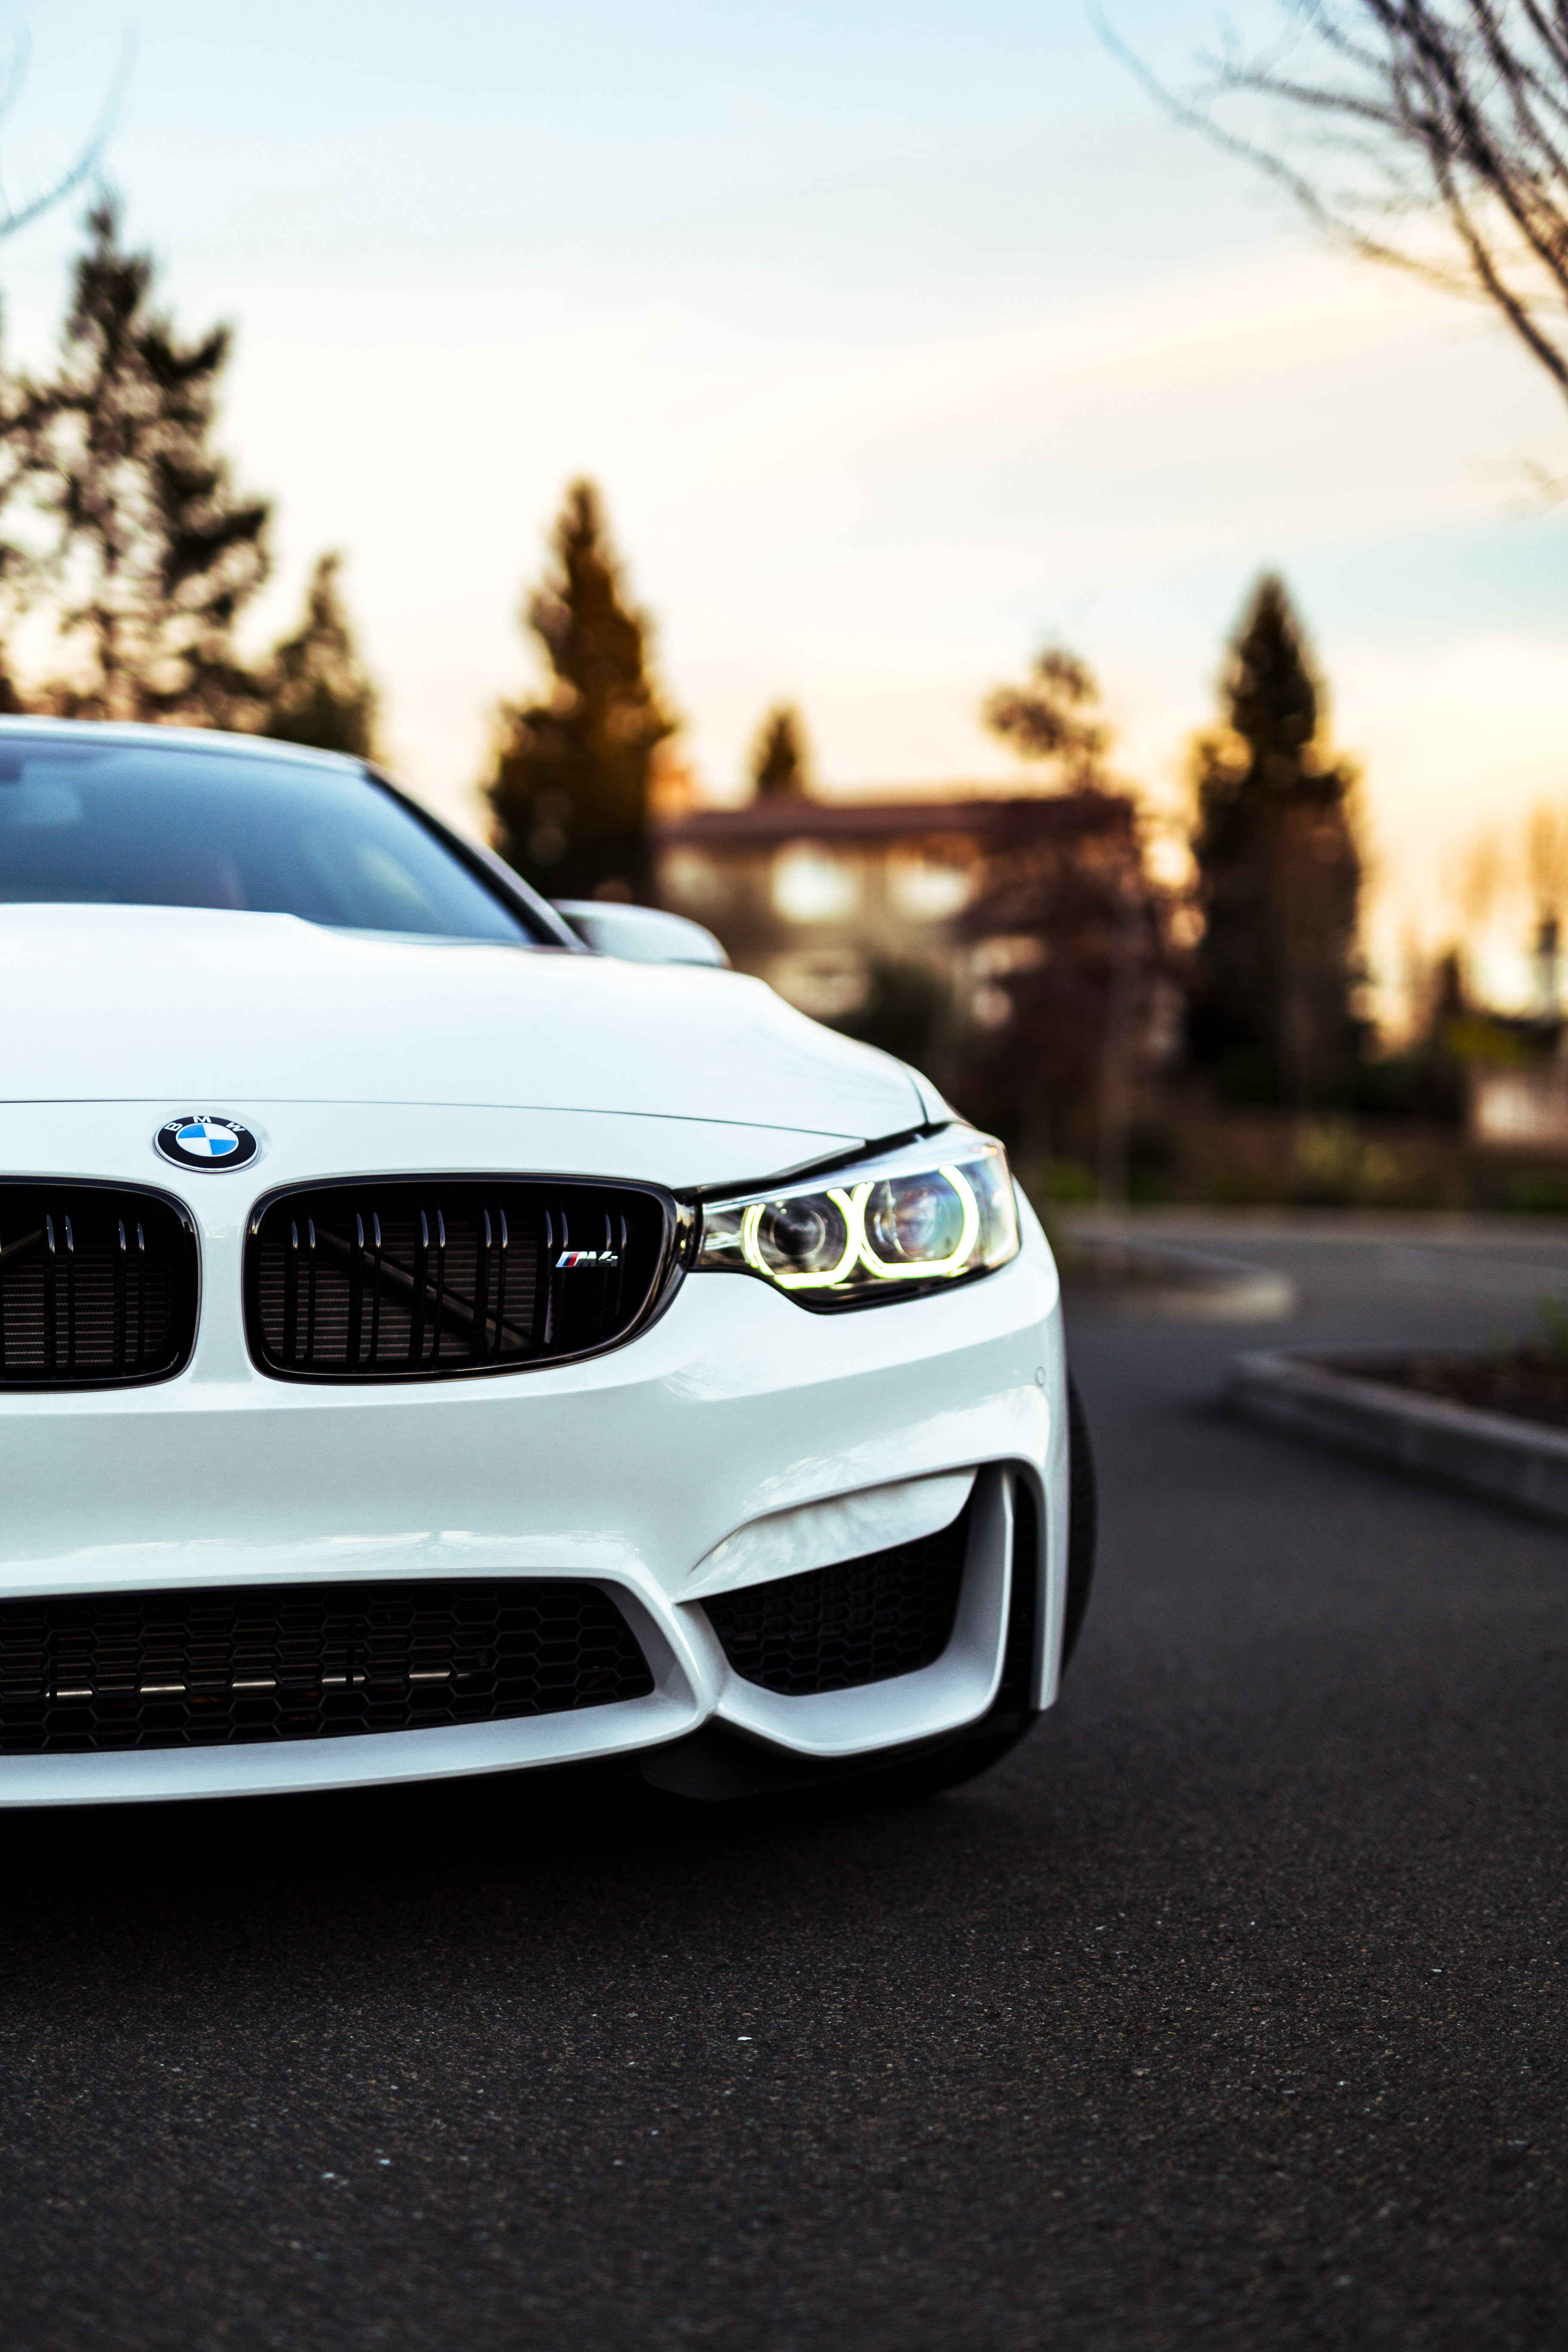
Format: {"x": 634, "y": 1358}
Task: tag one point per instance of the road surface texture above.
{"x": 1229, "y": 2010}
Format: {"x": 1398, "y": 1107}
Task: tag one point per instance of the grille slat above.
{"x": 291, "y": 1294}
{"x": 111, "y": 1671}
{"x": 480, "y": 1333}
{"x": 414, "y": 1279}
{"x": 420, "y": 1286}
{"x": 376, "y": 1294}
{"x": 97, "y": 1286}
{"x": 310, "y": 1288}
{"x": 71, "y": 1294}
{"x": 356, "y": 1294}
{"x": 51, "y": 1299}
{"x": 862, "y": 1621}
{"x": 116, "y": 1336}
{"x": 555, "y": 1244}
{"x": 503, "y": 1264}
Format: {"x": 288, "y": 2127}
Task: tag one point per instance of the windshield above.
{"x": 139, "y": 826}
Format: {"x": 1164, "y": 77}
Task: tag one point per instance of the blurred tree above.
{"x": 1054, "y": 716}
{"x": 25, "y": 409}
{"x": 1437, "y": 133}
{"x": 157, "y": 556}
{"x": 902, "y": 1013}
{"x": 1067, "y": 948}
{"x": 316, "y": 688}
{"x": 1546, "y": 867}
{"x": 24, "y": 405}
{"x": 569, "y": 789}
{"x": 1477, "y": 879}
{"x": 1069, "y": 933}
{"x": 779, "y": 763}
{"x": 1278, "y": 874}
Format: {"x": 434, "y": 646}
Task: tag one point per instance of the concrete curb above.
{"x": 1519, "y": 1463}
{"x": 1161, "y": 1283}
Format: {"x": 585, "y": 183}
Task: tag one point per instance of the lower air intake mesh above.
{"x": 108, "y": 1672}
{"x": 863, "y": 1620}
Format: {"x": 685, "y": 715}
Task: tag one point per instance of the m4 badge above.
{"x": 588, "y": 1258}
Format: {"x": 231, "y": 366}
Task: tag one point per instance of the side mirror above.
{"x": 640, "y": 934}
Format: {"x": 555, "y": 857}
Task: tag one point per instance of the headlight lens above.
{"x": 919, "y": 1220}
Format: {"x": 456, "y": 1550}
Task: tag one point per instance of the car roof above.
{"x": 136, "y": 735}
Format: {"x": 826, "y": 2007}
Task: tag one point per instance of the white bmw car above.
{"x": 429, "y": 1346}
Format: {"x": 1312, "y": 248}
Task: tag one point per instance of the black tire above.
{"x": 949, "y": 1767}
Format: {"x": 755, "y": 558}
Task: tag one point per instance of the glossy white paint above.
{"x": 739, "y": 1428}
{"x": 956, "y": 1690}
{"x": 816, "y": 1534}
{"x": 149, "y": 1001}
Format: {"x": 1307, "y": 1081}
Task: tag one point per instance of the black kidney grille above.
{"x": 405, "y": 1279}
{"x": 97, "y": 1286}
{"x": 117, "y": 1670}
{"x": 863, "y": 1620}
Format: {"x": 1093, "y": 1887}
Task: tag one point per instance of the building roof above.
{"x": 805, "y": 819}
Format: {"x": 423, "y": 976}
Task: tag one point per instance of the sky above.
{"x": 899, "y": 339}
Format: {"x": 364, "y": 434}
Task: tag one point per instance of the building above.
{"x": 827, "y": 899}
{"x": 1519, "y": 1110}
{"x": 1011, "y": 948}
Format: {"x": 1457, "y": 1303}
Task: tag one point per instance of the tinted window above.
{"x": 137, "y": 825}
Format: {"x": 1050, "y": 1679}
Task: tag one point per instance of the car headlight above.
{"x": 916, "y": 1219}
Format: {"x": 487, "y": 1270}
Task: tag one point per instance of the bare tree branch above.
{"x": 13, "y": 75}
{"x": 1437, "y": 133}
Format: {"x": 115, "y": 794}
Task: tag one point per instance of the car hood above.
{"x": 213, "y": 1010}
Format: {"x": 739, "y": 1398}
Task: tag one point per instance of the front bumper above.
{"x": 738, "y": 1439}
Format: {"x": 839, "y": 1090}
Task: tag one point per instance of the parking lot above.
{"x": 1228, "y": 2010}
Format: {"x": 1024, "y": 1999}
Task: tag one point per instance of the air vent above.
{"x": 407, "y": 1278}
{"x": 1015, "y": 1695}
{"x": 97, "y": 1286}
{"x": 862, "y": 1621}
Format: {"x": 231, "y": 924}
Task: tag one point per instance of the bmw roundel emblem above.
{"x": 197, "y": 1140}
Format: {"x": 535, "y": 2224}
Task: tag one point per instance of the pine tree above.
{"x": 570, "y": 790}
{"x": 157, "y": 553}
{"x": 779, "y": 763}
{"x": 317, "y": 689}
{"x": 1271, "y": 1009}
{"x": 26, "y": 467}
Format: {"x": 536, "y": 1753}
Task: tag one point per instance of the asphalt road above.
{"x": 1228, "y": 2010}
